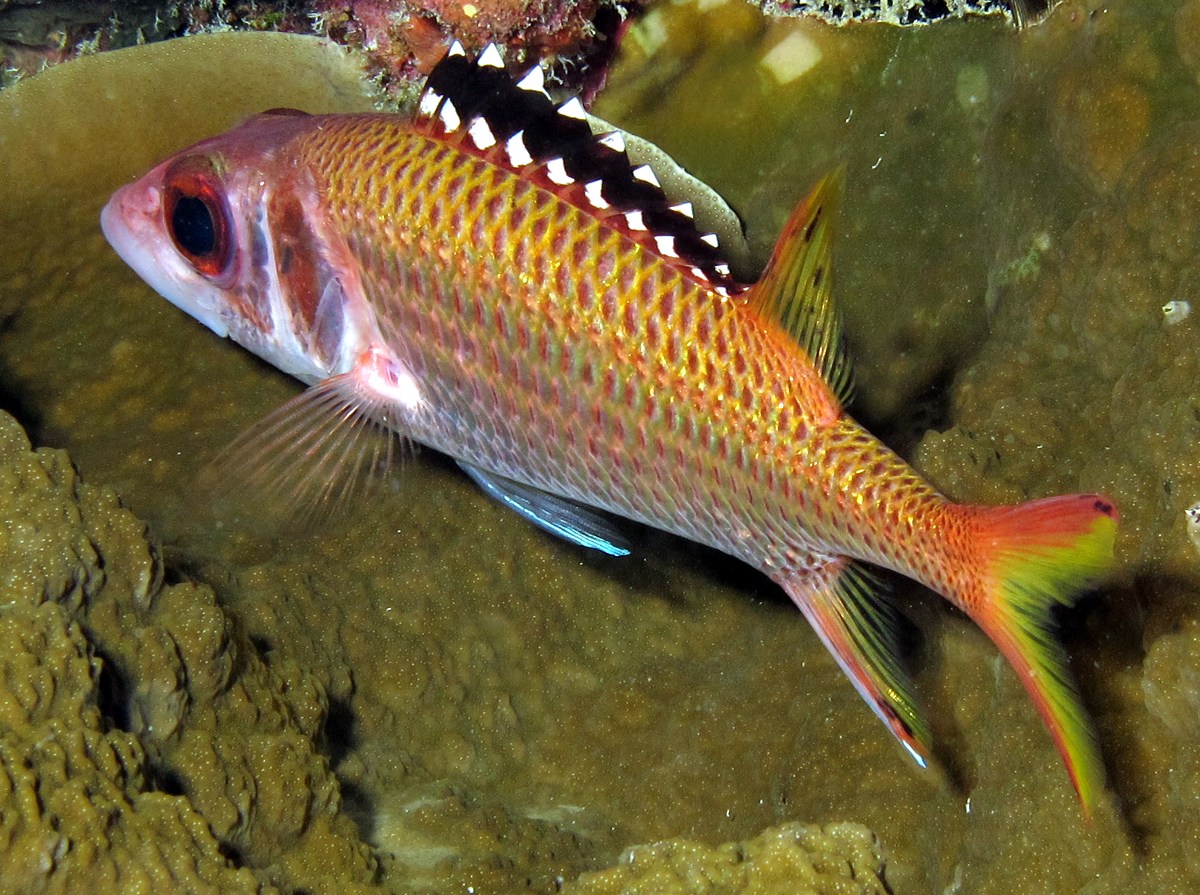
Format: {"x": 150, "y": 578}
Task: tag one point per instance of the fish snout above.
{"x": 133, "y": 207}
{"x": 132, "y": 211}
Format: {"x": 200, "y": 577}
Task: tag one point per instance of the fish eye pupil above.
{"x": 193, "y": 226}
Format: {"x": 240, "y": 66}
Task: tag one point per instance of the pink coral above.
{"x": 404, "y": 39}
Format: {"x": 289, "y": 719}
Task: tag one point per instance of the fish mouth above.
{"x": 126, "y": 220}
{"x": 132, "y": 223}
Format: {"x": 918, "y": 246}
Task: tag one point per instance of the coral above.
{"x": 908, "y": 12}
{"x": 1171, "y": 685}
{"x": 400, "y": 38}
{"x": 792, "y": 859}
{"x": 1101, "y": 121}
{"x": 82, "y": 770}
{"x": 1086, "y": 354}
{"x": 116, "y": 691}
{"x": 1061, "y": 347}
{"x": 1187, "y": 35}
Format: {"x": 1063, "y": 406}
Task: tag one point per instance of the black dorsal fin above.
{"x": 476, "y": 104}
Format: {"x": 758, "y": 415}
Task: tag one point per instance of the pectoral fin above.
{"x": 568, "y": 520}
{"x": 312, "y": 456}
{"x": 841, "y": 602}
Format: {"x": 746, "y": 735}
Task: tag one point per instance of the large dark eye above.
{"x": 198, "y": 220}
{"x": 193, "y": 227}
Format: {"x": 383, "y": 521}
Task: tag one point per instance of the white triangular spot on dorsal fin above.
{"x": 594, "y": 193}
{"x": 645, "y": 174}
{"x": 456, "y": 49}
{"x": 490, "y": 57}
{"x": 634, "y": 220}
{"x": 557, "y": 172}
{"x": 449, "y": 116}
{"x": 429, "y": 103}
{"x": 573, "y": 108}
{"x": 711, "y": 239}
{"x": 722, "y": 291}
{"x": 517, "y": 153}
{"x": 534, "y": 81}
{"x": 481, "y": 134}
{"x": 722, "y": 269}
{"x": 699, "y": 274}
{"x": 613, "y": 141}
{"x": 666, "y": 245}
{"x": 684, "y": 208}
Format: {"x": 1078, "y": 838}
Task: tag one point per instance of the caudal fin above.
{"x": 1035, "y": 555}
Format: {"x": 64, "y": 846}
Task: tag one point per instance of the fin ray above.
{"x": 841, "y": 601}
{"x": 795, "y": 289}
{"x": 557, "y": 515}
{"x": 1040, "y": 554}
{"x": 310, "y": 457}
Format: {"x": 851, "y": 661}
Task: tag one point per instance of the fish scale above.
{"x": 666, "y": 363}
{"x": 496, "y": 278}
{"x": 648, "y": 320}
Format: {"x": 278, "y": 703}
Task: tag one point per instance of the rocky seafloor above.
{"x": 428, "y": 695}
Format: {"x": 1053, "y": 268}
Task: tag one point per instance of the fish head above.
{"x": 231, "y": 231}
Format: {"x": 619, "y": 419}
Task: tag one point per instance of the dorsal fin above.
{"x": 478, "y": 106}
{"x": 795, "y": 289}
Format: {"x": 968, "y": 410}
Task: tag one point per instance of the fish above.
{"x": 550, "y": 301}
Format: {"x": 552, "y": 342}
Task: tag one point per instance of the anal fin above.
{"x": 557, "y": 515}
{"x": 841, "y": 601}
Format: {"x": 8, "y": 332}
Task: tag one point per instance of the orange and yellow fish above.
{"x": 493, "y": 276}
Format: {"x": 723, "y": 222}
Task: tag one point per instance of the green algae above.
{"x": 502, "y": 712}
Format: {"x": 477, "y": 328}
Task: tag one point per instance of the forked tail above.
{"x": 1035, "y": 555}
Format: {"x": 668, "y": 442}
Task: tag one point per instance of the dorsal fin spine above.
{"x": 573, "y": 108}
{"x": 490, "y": 57}
{"x": 476, "y": 105}
{"x": 518, "y": 154}
{"x": 534, "y": 81}
{"x": 481, "y": 134}
{"x": 449, "y": 116}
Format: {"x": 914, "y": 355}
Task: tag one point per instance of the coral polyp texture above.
{"x": 140, "y": 738}
{"x": 400, "y": 39}
{"x": 909, "y": 12}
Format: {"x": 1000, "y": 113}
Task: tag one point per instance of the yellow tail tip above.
{"x": 1039, "y": 554}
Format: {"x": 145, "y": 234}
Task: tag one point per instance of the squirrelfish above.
{"x": 492, "y": 276}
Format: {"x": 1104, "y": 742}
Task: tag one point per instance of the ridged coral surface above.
{"x": 112, "y": 689}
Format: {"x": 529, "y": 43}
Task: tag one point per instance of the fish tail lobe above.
{"x": 1034, "y": 556}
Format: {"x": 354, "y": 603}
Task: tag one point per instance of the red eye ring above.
{"x": 197, "y": 218}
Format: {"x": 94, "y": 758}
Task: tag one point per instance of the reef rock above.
{"x": 791, "y": 859}
{"x": 142, "y": 742}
